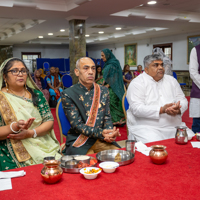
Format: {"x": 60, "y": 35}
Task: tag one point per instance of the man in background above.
{"x": 194, "y": 69}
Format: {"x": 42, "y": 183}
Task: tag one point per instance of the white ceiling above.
{"x": 22, "y": 21}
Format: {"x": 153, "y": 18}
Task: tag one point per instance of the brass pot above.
{"x": 51, "y": 172}
{"x": 158, "y": 154}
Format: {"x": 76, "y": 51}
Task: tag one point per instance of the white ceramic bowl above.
{"x": 89, "y": 176}
{"x": 108, "y": 166}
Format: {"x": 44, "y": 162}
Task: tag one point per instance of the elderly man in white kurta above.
{"x": 156, "y": 103}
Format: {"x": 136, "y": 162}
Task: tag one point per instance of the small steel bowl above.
{"x": 71, "y": 164}
{"x": 49, "y": 158}
{"x": 83, "y": 161}
{"x": 64, "y": 159}
{"x": 198, "y": 136}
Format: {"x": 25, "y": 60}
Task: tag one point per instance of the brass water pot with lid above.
{"x": 181, "y": 136}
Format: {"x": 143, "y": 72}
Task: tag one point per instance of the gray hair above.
{"x": 167, "y": 63}
{"x": 150, "y": 58}
{"x": 78, "y": 62}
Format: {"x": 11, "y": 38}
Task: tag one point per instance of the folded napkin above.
{"x": 5, "y": 179}
{"x": 12, "y": 174}
{"x": 195, "y": 144}
{"x": 5, "y": 184}
{"x": 142, "y": 148}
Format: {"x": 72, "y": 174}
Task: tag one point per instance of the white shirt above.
{"x": 145, "y": 97}
{"x": 195, "y": 76}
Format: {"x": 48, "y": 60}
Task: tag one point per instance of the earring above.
{"x": 25, "y": 86}
{"x": 6, "y": 85}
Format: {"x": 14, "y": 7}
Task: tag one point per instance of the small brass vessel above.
{"x": 158, "y": 154}
{"x": 51, "y": 172}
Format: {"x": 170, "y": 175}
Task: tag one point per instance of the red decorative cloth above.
{"x": 177, "y": 179}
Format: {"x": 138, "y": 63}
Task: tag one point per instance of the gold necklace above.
{"x": 23, "y": 97}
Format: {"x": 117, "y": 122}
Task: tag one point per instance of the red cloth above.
{"x": 178, "y": 178}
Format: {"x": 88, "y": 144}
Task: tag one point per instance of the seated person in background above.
{"x": 156, "y": 103}
{"x": 86, "y": 105}
{"x": 42, "y": 73}
{"x": 127, "y": 75}
{"x": 54, "y": 83}
{"x": 99, "y": 75}
{"x": 26, "y": 122}
{"x": 40, "y": 83}
{"x": 57, "y": 72}
{"x": 139, "y": 71}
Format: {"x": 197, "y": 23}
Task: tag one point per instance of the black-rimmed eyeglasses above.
{"x": 15, "y": 72}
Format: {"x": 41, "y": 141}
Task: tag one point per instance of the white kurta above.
{"x": 145, "y": 97}
{"x": 195, "y": 76}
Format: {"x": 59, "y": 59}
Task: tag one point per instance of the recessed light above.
{"x": 40, "y": 36}
{"x": 101, "y": 32}
{"x": 62, "y": 30}
{"x": 118, "y": 28}
{"x": 50, "y": 33}
{"x": 151, "y": 2}
{"x": 87, "y": 35}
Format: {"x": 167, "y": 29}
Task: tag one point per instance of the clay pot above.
{"x": 158, "y": 154}
{"x": 51, "y": 172}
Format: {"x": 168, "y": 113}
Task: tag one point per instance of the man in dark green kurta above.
{"x": 78, "y": 103}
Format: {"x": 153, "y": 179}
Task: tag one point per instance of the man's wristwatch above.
{"x": 35, "y": 134}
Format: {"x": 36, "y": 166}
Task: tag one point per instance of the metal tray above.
{"x": 76, "y": 170}
{"x": 109, "y": 155}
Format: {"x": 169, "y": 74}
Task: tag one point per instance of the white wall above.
{"x": 179, "y": 50}
{"x": 47, "y": 51}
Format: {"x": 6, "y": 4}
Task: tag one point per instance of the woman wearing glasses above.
{"x": 26, "y": 122}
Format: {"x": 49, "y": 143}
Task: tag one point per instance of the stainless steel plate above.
{"x": 109, "y": 155}
{"x": 77, "y": 170}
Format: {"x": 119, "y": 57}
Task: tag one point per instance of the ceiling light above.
{"x": 40, "y": 37}
{"x": 118, "y": 28}
{"x": 101, "y": 32}
{"x": 62, "y": 30}
{"x": 50, "y": 33}
{"x": 151, "y": 2}
{"x": 87, "y": 35}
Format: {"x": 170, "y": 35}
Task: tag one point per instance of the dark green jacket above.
{"x": 76, "y": 102}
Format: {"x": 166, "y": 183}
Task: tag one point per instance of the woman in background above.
{"x": 54, "y": 84}
{"x": 42, "y": 73}
{"x": 99, "y": 75}
{"x": 113, "y": 80}
{"x": 40, "y": 83}
{"x": 127, "y": 75}
{"x": 139, "y": 71}
{"x": 57, "y": 72}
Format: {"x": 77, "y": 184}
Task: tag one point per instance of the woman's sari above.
{"x": 112, "y": 74}
{"x": 100, "y": 81}
{"x": 19, "y": 108}
{"x": 136, "y": 73}
{"x": 40, "y": 86}
{"x": 42, "y": 73}
{"x": 128, "y": 76}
